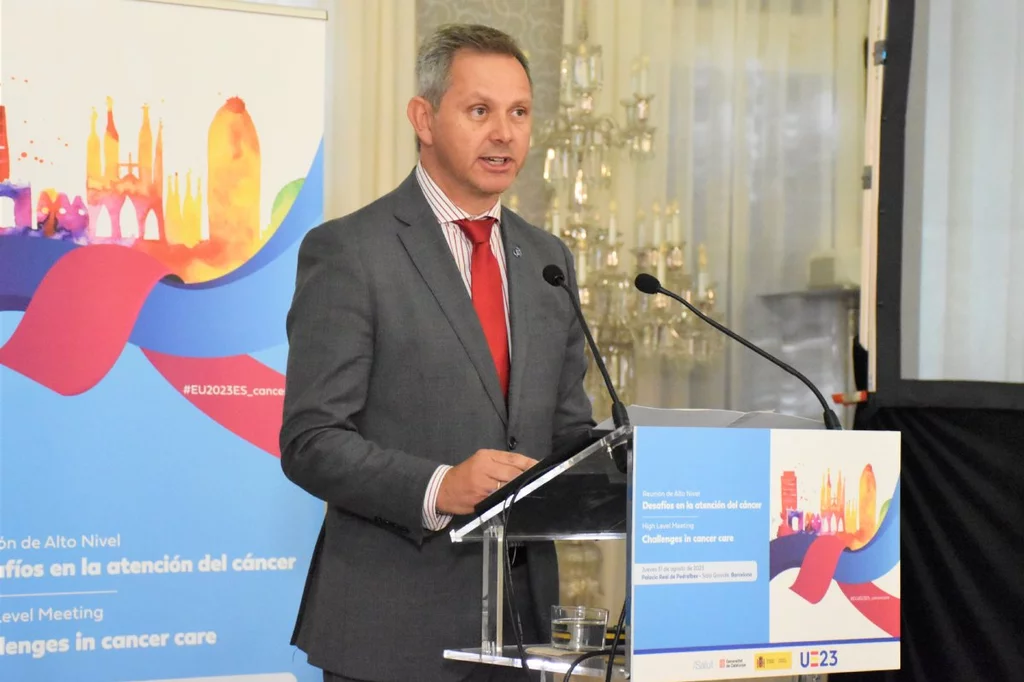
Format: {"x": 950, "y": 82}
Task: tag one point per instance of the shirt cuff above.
{"x": 432, "y": 519}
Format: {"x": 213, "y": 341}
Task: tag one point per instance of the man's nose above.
{"x": 501, "y": 131}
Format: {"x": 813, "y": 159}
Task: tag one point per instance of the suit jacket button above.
{"x": 512, "y": 443}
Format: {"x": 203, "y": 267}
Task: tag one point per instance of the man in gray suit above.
{"x": 429, "y": 364}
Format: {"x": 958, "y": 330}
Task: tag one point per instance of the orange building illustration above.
{"x": 232, "y": 203}
{"x": 124, "y": 200}
{"x": 855, "y": 520}
{"x": 833, "y": 505}
{"x": 868, "y": 499}
{"x": 851, "y": 515}
{"x": 184, "y": 215}
{"x": 234, "y": 176}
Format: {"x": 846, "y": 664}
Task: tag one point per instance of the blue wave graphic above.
{"x": 788, "y": 552}
{"x": 25, "y": 261}
{"x": 879, "y": 556}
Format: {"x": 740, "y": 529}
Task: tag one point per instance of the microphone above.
{"x": 649, "y": 284}
{"x": 554, "y": 276}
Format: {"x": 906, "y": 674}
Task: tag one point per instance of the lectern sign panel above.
{"x": 764, "y": 553}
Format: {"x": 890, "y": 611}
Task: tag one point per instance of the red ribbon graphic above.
{"x": 80, "y": 318}
{"x": 877, "y": 605}
{"x": 239, "y": 393}
{"x": 816, "y": 575}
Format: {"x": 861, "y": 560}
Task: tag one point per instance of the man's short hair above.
{"x": 434, "y": 61}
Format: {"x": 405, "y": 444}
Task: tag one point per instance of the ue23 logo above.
{"x": 826, "y": 658}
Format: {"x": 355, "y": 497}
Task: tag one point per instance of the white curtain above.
{"x": 963, "y": 316}
{"x": 368, "y": 146}
{"x": 371, "y": 55}
{"x": 759, "y": 109}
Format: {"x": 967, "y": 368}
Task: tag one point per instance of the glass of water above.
{"x": 578, "y": 628}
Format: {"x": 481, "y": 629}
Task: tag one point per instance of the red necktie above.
{"x": 488, "y": 298}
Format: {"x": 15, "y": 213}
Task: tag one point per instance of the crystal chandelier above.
{"x": 580, "y": 148}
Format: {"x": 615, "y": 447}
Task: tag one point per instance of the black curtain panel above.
{"x": 962, "y": 569}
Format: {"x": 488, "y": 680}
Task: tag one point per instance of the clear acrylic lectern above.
{"x": 583, "y": 498}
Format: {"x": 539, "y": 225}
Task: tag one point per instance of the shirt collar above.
{"x": 443, "y": 207}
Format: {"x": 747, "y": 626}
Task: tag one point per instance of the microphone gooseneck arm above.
{"x": 554, "y": 276}
{"x": 649, "y": 284}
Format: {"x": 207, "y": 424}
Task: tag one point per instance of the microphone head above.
{"x": 553, "y": 275}
{"x": 648, "y": 284}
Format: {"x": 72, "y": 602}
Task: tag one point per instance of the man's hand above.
{"x": 467, "y": 484}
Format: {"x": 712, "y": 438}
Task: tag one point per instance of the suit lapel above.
{"x": 519, "y": 269}
{"x": 432, "y": 257}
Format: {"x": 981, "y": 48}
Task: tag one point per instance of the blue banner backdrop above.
{"x": 152, "y": 201}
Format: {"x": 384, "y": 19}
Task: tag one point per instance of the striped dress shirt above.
{"x": 462, "y": 250}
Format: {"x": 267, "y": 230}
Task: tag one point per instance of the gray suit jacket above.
{"x": 389, "y": 375}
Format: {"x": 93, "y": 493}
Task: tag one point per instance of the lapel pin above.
{"x": 517, "y": 252}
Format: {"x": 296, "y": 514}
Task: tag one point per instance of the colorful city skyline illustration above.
{"x": 132, "y": 200}
{"x": 852, "y": 516}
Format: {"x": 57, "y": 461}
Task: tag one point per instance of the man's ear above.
{"x": 421, "y": 116}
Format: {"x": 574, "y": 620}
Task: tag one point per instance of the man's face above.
{"x": 476, "y": 142}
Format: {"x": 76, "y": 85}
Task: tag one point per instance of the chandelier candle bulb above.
{"x": 675, "y": 229}
{"x": 659, "y": 226}
{"x": 582, "y": 68}
{"x": 579, "y": 193}
{"x": 702, "y": 271}
{"x": 613, "y": 227}
{"x": 566, "y": 79}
